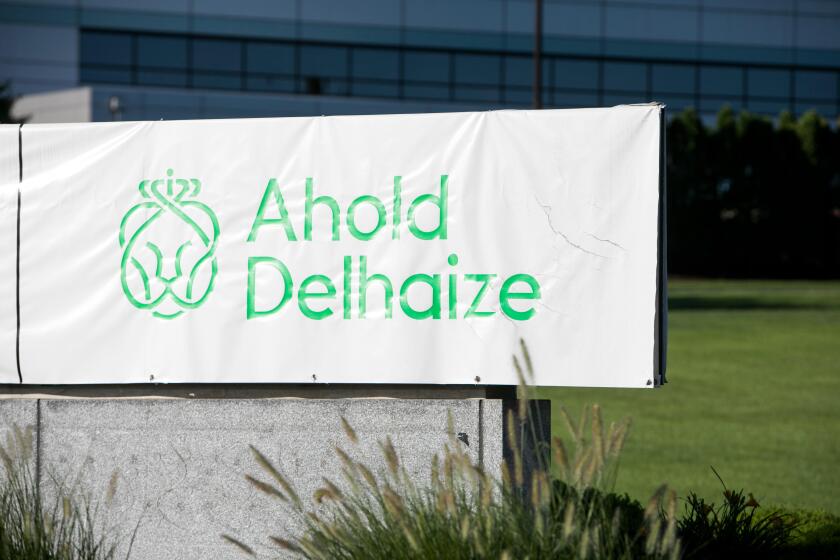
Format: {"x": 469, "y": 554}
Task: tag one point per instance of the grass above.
{"x": 754, "y": 383}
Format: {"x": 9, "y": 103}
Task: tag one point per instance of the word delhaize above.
{"x": 442, "y": 291}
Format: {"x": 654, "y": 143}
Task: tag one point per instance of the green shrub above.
{"x": 732, "y": 529}
{"x": 33, "y": 527}
{"x": 816, "y": 537}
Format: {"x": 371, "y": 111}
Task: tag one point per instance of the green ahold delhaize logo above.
{"x": 169, "y": 243}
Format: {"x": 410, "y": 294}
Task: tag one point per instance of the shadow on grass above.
{"x": 705, "y": 303}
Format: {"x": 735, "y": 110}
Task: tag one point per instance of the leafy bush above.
{"x": 732, "y": 529}
{"x": 33, "y": 527}
{"x": 816, "y": 537}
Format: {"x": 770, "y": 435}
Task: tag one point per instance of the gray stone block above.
{"x": 180, "y": 463}
{"x": 22, "y": 412}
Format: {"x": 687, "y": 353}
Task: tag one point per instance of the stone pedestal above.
{"x": 180, "y": 463}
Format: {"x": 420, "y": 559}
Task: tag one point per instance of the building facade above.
{"x": 175, "y": 59}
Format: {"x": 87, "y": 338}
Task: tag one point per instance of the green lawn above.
{"x": 754, "y": 390}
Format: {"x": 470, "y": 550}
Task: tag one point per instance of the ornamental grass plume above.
{"x": 565, "y": 510}
{"x": 38, "y": 525}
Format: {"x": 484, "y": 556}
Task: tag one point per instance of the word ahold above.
{"x": 441, "y": 294}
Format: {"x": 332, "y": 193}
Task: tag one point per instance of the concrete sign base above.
{"x": 180, "y": 463}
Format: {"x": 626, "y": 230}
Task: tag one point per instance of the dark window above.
{"x": 574, "y": 75}
{"x": 816, "y": 85}
{"x": 105, "y": 75}
{"x": 324, "y": 70}
{"x": 162, "y": 78}
{"x": 161, "y": 52}
{"x": 217, "y": 63}
{"x": 268, "y": 82}
{"x": 376, "y": 64}
{"x": 426, "y": 75}
{"x": 161, "y": 60}
{"x": 269, "y": 58}
{"x": 519, "y": 76}
{"x": 721, "y": 80}
{"x": 477, "y": 77}
{"x": 426, "y": 67}
{"x": 670, "y": 78}
{"x": 477, "y": 69}
{"x": 519, "y": 71}
{"x": 768, "y": 83}
{"x": 625, "y": 76}
{"x": 106, "y": 48}
{"x": 323, "y": 61}
{"x": 105, "y": 57}
{"x": 221, "y": 55}
{"x": 521, "y": 95}
{"x": 270, "y": 66}
{"x": 376, "y": 72}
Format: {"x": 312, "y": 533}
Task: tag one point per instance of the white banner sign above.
{"x": 371, "y": 249}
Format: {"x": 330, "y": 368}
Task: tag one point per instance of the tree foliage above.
{"x": 6, "y": 102}
{"x": 750, "y": 196}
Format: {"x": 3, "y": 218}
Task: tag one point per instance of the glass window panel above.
{"x": 476, "y": 93}
{"x": 426, "y": 66}
{"x": 625, "y": 76}
{"x": 376, "y": 64}
{"x": 671, "y": 78}
{"x": 375, "y": 89}
{"x": 768, "y": 83}
{"x": 217, "y": 80}
{"x": 105, "y": 75}
{"x": 323, "y": 61}
{"x": 161, "y": 52}
{"x": 477, "y": 69}
{"x": 270, "y": 83}
{"x": 268, "y": 58}
{"x": 335, "y": 86}
{"x": 576, "y": 74}
{"x": 161, "y": 78}
{"x": 209, "y": 54}
{"x": 721, "y": 80}
{"x": 519, "y": 71}
{"x": 521, "y": 95}
{"x": 324, "y": 85}
{"x": 105, "y": 48}
{"x": 425, "y": 91}
{"x": 816, "y": 85}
